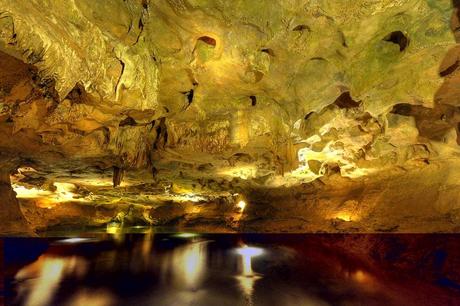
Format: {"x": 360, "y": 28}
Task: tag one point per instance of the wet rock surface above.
{"x": 303, "y": 109}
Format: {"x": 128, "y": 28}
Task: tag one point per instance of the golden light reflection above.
{"x": 247, "y": 285}
{"x": 114, "y": 228}
{"x": 39, "y": 281}
{"x": 92, "y": 298}
{"x": 365, "y": 280}
{"x": 187, "y": 264}
{"x": 360, "y": 276}
{"x": 147, "y": 244}
{"x": 248, "y": 278}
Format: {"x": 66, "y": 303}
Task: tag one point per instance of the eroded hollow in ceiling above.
{"x": 230, "y": 115}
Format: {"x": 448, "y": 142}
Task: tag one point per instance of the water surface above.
{"x": 232, "y": 269}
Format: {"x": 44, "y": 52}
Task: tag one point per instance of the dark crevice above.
{"x": 253, "y": 100}
{"x": 118, "y": 174}
{"x": 34, "y": 57}
{"x": 78, "y": 94}
{"x": 346, "y": 101}
{"x": 128, "y": 121}
{"x": 140, "y": 25}
{"x": 449, "y": 70}
{"x": 301, "y": 28}
{"x": 317, "y": 58}
{"x": 154, "y": 173}
{"x": 121, "y": 74}
{"x": 258, "y": 76}
{"x": 398, "y": 37}
{"x": 76, "y": 131}
{"x": 208, "y": 40}
{"x": 268, "y": 51}
{"x": 344, "y": 40}
{"x": 458, "y": 133}
{"x": 402, "y": 109}
{"x": 189, "y": 95}
{"x": 106, "y": 133}
{"x": 162, "y": 135}
{"x": 456, "y": 3}
{"x": 308, "y": 115}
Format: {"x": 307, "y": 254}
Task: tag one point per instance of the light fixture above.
{"x": 241, "y": 205}
{"x": 249, "y": 251}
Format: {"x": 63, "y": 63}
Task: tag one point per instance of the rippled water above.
{"x": 247, "y": 269}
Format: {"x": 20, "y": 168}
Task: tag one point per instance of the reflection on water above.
{"x": 186, "y": 264}
{"x": 39, "y": 281}
{"x": 192, "y": 269}
{"x": 247, "y": 253}
{"x": 248, "y": 278}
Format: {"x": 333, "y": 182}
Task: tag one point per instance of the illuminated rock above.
{"x": 223, "y": 97}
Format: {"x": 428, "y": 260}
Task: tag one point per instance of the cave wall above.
{"x": 230, "y": 96}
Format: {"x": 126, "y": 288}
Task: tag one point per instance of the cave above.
{"x": 74, "y": 113}
{"x": 235, "y": 117}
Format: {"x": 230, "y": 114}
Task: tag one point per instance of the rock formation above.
{"x": 323, "y": 115}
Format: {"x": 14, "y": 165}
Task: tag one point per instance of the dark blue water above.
{"x": 225, "y": 269}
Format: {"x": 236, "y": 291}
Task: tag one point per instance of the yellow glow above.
{"x": 188, "y": 197}
{"x": 366, "y": 280}
{"x": 45, "y": 198}
{"x": 344, "y": 216}
{"x": 147, "y": 244}
{"x": 26, "y": 169}
{"x": 243, "y": 172}
{"x": 188, "y": 264}
{"x": 50, "y": 276}
{"x": 64, "y": 190}
{"x": 95, "y": 182}
{"x": 247, "y": 284}
{"x": 45, "y": 203}
{"x": 360, "y": 276}
{"x": 114, "y": 228}
{"x": 47, "y": 273}
{"x": 191, "y": 197}
{"x": 29, "y": 193}
{"x": 241, "y": 205}
{"x": 97, "y": 297}
{"x": 329, "y": 154}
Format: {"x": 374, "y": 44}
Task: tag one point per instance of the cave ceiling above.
{"x": 215, "y": 96}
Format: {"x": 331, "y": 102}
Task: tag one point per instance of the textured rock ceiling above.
{"x": 209, "y": 98}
